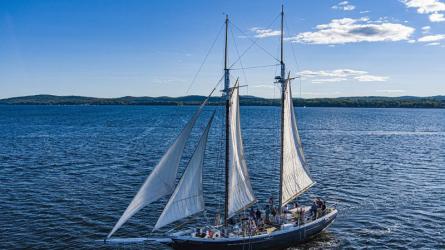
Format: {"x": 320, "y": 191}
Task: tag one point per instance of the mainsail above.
{"x": 240, "y": 191}
{"x": 187, "y": 199}
{"x": 296, "y": 178}
{"x": 161, "y": 181}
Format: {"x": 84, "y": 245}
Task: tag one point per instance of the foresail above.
{"x": 161, "y": 181}
{"x": 296, "y": 178}
{"x": 240, "y": 190}
{"x": 187, "y": 199}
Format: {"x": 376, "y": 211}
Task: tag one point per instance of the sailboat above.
{"x": 287, "y": 228}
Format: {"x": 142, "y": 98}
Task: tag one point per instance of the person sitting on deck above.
{"x": 200, "y": 233}
{"x": 286, "y": 209}
{"x": 301, "y": 216}
{"x": 252, "y": 227}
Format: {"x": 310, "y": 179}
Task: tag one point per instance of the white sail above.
{"x": 296, "y": 178}
{"x": 161, "y": 181}
{"x": 240, "y": 191}
{"x": 187, "y": 199}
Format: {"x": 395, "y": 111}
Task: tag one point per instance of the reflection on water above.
{"x": 68, "y": 172}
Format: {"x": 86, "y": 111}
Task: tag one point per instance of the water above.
{"x": 68, "y": 172}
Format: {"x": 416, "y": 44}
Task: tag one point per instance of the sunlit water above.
{"x": 68, "y": 172}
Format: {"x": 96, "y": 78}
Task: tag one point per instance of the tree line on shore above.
{"x": 358, "y": 102}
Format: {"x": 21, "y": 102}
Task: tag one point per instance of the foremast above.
{"x": 282, "y": 82}
{"x": 238, "y": 190}
{"x": 226, "y": 93}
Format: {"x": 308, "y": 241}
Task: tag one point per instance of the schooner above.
{"x": 290, "y": 226}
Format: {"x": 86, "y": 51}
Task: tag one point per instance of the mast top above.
{"x": 225, "y": 44}
{"x": 282, "y": 20}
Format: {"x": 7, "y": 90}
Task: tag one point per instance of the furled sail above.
{"x": 296, "y": 178}
{"x": 240, "y": 191}
{"x": 161, "y": 181}
{"x": 187, "y": 199}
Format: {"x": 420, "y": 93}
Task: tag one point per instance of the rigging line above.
{"x": 256, "y": 67}
{"x": 254, "y": 42}
{"x": 237, "y": 52}
{"x": 216, "y": 86}
{"x": 205, "y": 59}
{"x": 298, "y": 68}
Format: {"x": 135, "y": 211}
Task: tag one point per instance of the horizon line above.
{"x": 117, "y": 97}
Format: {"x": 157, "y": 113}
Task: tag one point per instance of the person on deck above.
{"x": 320, "y": 206}
{"x": 258, "y": 215}
{"x": 313, "y": 210}
{"x": 323, "y": 205}
{"x": 286, "y": 209}
{"x": 274, "y": 211}
{"x": 267, "y": 211}
{"x": 274, "y": 215}
{"x": 318, "y": 202}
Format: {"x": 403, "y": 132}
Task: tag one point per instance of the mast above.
{"x": 283, "y": 89}
{"x": 227, "y": 95}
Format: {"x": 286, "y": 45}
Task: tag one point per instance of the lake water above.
{"x": 68, "y": 172}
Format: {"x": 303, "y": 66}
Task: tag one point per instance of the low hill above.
{"x": 366, "y": 102}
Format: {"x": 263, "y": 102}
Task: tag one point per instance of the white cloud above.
{"x": 412, "y": 41}
{"x": 431, "y": 7}
{"x": 343, "y": 6}
{"x": 432, "y": 44}
{"x": 331, "y": 73}
{"x": 348, "y": 30}
{"x": 340, "y": 75}
{"x": 329, "y": 80}
{"x": 425, "y": 6}
{"x": 265, "y": 86}
{"x": 426, "y": 29}
{"x": 432, "y": 38}
{"x": 437, "y": 17}
{"x": 263, "y": 33}
{"x": 364, "y": 12}
{"x": 371, "y": 78}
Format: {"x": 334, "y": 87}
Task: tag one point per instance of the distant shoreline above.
{"x": 355, "y": 102}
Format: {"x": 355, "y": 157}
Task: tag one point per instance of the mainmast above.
{"x": 226, "y": 92}
{"x": 282, "y": 81}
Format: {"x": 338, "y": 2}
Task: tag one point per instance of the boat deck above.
{"x": 288, "y": 234}
{"x": 294, "y": 218}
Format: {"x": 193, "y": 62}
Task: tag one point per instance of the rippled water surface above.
{"x": 68, "y": 172}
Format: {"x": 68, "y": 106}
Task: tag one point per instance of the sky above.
{"x": 114, "y": 48}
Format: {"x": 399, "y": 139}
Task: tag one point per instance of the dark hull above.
{"x": 277, "y": 240}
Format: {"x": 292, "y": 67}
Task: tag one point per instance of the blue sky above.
{"x": 112, "y": 48}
